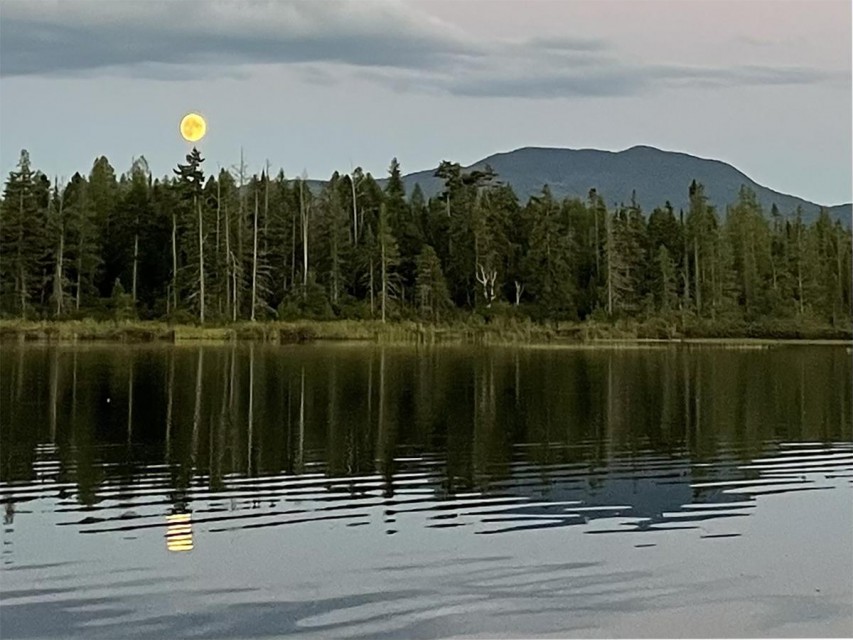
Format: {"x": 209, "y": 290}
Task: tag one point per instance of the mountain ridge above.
{"x": 655, "y": 174}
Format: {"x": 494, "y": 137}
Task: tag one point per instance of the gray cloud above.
{"x": 566, "y": 44}
{"x": 50, "y": 37}
{"x": 389, "y": 43}
{"x": 593, "y": 78}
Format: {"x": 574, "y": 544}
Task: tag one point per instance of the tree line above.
{"x": 239, "y": 246}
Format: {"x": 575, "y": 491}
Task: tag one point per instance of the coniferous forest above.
{"x": 241, "y": 246}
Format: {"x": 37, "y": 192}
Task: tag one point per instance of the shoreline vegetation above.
{"x": 512, "y": 332}
{"x": 243, "y": 256}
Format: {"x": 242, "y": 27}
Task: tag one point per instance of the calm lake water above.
{"x": 341, "y": 491}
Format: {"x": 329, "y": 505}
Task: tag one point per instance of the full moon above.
{"x": 193, "y": 127}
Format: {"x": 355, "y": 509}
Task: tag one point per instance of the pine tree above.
{"x": 548, "y": 269}
{"x": 20, "y": 241}
{"x": 102, "y": 199}
{"x": 665, "y": 290}
{"x": 389, "y": 260}
{"x": 240, "y": 248}
{"x": 748, "y": 236}
{"x": 191, "y": 182}
{"x": 405, "y": 226}
{"x": 701, "y": 224}
{"x": 334, "y": 250}
{"x": 136, "y": 213}
{"x": 431, "y": 293}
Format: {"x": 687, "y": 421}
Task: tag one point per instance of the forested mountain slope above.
{"x": 656, "y": 176}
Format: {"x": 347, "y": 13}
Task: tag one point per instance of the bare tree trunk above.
{"x": 292, "y": 251}
{"x": 371, "y": 288}
{"x": 234, "y": 301}
{"x": 79, "y": 274}
{"x": 304, "y": 216}
{"x": 219, "y": 261}
{"x": 800, "y": 268}
{"x": 597, "y": 251}
{"x": 685, "y": 273}
{"x": 697, "y": 284}
{"x": 609, "y": 240}
{"x": 266, "y": 210}
{"x": 200, "y": 263}
{"x": 22, "y": 280}
{"x": 715, "y": 295}
{"x": 487, "y": 280}
{"x": 135, "y": 261}
{"x": 800, "y": 287}
{"x": 238, "y": 261}
{"x": 58, "y": 293}
{"x": 839, "y": 274}
{"x": 230, "y": 308}
{"x": 354, "y": 211}
{"x": 254, "y": 259}
{"x": 384, "y": 278}
{"x": 773, "y": 271}
{"x": 57, "y": 280}
{"x": 174, "y": 262}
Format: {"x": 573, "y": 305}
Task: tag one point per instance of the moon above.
{"x": 193, "y": 127}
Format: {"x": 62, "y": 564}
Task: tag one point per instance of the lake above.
{"x": 346, "y": 491}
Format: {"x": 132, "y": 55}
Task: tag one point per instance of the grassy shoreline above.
{"x": 408, "y": 332}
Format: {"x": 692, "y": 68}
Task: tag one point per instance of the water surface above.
{"x": 348, "y": 491}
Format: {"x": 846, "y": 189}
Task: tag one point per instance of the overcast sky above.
{"x": 325, "y": 85}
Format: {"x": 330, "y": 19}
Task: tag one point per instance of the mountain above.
{"x": 656, "y": 175}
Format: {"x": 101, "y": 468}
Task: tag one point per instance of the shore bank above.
{"x": 407, "y": 332}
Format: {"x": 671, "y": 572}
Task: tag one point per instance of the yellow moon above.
{"x": 193, "y": 127}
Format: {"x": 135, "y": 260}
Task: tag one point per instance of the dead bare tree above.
{"x": 519, "y": 289}
{"x": 353, "y": 184}
{"x": 58, "y": 293}
{"x": 487, "y": 280}
{"x": 303, "y": 213}
{"x": 254, "y": 259}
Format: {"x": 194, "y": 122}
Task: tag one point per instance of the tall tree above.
{"x": 548, "y": 268}
{"x": 431, "y": 293}
{"x": 58, "y": 224}
{"x": 20, "y": 238}
{"x": 389, "y": 258}
{"x": 191, "y": 181}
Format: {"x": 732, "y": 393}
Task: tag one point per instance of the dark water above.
{"x": 340, "y": 492}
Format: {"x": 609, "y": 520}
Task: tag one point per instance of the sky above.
{"x": 323, "y": 85}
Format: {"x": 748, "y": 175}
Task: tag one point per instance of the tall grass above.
{"x": 498, "y": 331}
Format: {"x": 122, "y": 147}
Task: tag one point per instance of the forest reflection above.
{"x": 114, "y": 422}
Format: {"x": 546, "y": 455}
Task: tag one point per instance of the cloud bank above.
{"x": 390, "y": 43}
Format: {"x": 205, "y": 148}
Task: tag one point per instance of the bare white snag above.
{"x": 254, "y": 258}
{"x": 58, "y": 293}
{"x": 519, "y": 289}
{"x": 303, "y": 212}
{"x": 354, "y": 209}
{"x": 487, "y": 280}
{"x": 200, "y": 261}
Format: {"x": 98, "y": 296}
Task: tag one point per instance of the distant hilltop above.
{"x": 656, "y": 176}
